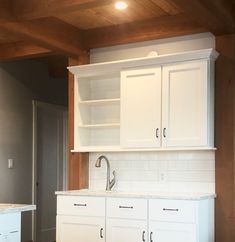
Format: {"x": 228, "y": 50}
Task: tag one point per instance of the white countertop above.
{"x": 15, "y": 208}
{"x": 147, "y": 195}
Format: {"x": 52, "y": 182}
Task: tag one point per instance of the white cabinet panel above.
{"x": 172, "y": 210}
{"x": 124, "y": 230}
{"x": 78, "y": 228}
{"x": 172, "y": 232}
{"x": 10, "y": 224}
{"x": 83, "y": 206}
{"x": 127, "y": 208}
{"x": 141, "y": 107}
{"x": 185, "y": 108}
{"x": 13, "y": 236}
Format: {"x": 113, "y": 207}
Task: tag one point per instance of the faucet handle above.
{"x": 113, "y": 180}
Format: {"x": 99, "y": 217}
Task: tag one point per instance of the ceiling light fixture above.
{"x": 121, "y": 5}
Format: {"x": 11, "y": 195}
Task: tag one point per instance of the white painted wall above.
{"x": 191, "y": 171}
{"x": 15, "y": 143}
{"x": 20, "y": 83}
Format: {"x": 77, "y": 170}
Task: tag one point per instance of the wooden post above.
{"x": 225, "y": 139}
{"x": 78, "y": 162}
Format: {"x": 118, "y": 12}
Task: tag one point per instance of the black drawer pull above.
{"x": 80, "y": 205}
{"x": 171, "y": 209}
{"x": 151, "y": 237}
{"x": 128, "y": 207}
{"x": 13, "y": 232}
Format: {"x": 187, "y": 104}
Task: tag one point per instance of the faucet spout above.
{"x": 109, "y": 184}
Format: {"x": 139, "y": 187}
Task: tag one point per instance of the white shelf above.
{"x": 100, "y": 101}
{"x": 100, "y": 125}
{"x": 119, "y": 149}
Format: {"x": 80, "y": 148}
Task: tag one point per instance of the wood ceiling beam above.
{"x": 156, "y": 28}
{"x": 21, "y": 50}
{"x": 50, "y": 33}
{"x": 32, "y": 9}
{"x": 215, "y": 15}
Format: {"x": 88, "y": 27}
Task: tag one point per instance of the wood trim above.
{"x": 157, "y": 28}
{"x": 225, "y": 139}
{"x": 78, "y": 162}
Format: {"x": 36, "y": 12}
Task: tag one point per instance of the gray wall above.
{"x": 20, "y": 83}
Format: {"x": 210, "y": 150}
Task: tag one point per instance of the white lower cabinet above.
{"x": 84, "y": 229}
{"x": 134, "y": 220}
{"x": 10, "y": 227}
{"x": 172, "y": 232}
{"x": 80, "y": 219}
{"x": 124, "y": 230}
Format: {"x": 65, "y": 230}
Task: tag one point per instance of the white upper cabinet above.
{"x": 141, "y": 107}
{"x": 151, "y": 103}
{"x": 185, "y": 106}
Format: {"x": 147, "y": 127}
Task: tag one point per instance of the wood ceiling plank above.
{"x": 49, "y": 33}
{"x": 32, "y": 9}
{"x": 85, "y": 19}
{"x": 156, "y": 28}
{"x": 168, "y": 7}
{"x": 215, "y": 15}
{"x": 5, "y": 10}
{"x": 21, "y": 50}
{"x": 151, "y": 7}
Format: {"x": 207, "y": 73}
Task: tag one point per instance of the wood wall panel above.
{"x": 78, "y": 162}
{"x": 225, "y": 139}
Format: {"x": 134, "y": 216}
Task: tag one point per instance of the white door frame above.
{"x": 37, "y": 104}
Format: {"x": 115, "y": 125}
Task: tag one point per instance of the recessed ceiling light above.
{"x": 121, "y": 5}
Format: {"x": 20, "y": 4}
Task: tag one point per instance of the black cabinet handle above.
{"x": 101, "y": 233}
{"x": 80, "y": 204}
{"x": 164, "y": 132}
{"x": 171, "y": 209}
{"x": 157, "y": 133}
{"x": 143, "y": 236}
{"x": 151, "y": 237}
{"x": 128, "y": 207}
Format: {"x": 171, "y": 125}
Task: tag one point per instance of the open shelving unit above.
{"x": 97, "y": 115}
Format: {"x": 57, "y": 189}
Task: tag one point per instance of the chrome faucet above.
{"x": 109, "y": 184}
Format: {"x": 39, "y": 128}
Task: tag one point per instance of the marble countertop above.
{"x": 147, "y": 195}
{"x": 14, "y": 208}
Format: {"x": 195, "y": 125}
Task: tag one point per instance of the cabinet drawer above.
{"x": 172, "y": 210}
{"x": 127, "y": 208}
{"x": 10, "y": 222}
{"x": 84, "y": 206}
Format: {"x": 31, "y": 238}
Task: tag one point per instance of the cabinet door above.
{"x": 184, "y": 112}
{"x": 172, "y": 232}
{"x": 141, "y": 107}
{"x": 76, "y": 228}
{"x": 1, "y": 237}
{"x": 122, "y": 230}
{"x": 13, "y": 236}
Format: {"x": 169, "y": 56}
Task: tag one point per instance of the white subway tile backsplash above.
{"x": 189, "y": 171}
